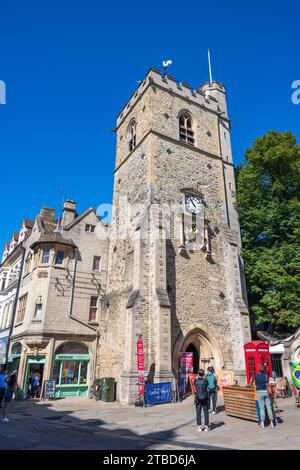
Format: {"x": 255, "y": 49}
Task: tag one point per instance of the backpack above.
{"x": 212, "y": 382}
{"x": 201, "y": 389}
{"x": 36, "y": 382}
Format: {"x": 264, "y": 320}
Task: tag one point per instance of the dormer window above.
{"x": 131, "y": 135}
{"x": 186, "y": 133}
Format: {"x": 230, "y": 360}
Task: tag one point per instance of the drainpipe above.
{"x": 15, "y": 303}
{"x": 77, "y": 319}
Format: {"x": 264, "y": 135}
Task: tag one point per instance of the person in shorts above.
{"x": 3, "y": 384}
{"x": 11, "y": 382}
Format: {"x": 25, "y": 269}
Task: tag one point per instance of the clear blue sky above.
{"x": 70, "y": 66}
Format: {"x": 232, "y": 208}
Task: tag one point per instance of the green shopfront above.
{"x": 71, "y": 371}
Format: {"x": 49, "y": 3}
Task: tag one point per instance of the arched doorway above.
{"x": 199, "y": 340}
{"x": 192, "y": 349}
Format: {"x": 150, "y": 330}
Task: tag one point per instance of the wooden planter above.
{"x": 240, "y": 402}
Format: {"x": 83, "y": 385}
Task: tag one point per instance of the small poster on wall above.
{"x": 192, "y": 378}
{"x": 185, "y": 367}
{"x": 225, "y": 378}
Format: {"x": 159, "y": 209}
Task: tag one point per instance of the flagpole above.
{"x": 209, "y": 66}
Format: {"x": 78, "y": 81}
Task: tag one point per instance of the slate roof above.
{"x": 53, "y": 237}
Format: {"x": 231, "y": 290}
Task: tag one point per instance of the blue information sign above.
{"x": 158, "y": 393}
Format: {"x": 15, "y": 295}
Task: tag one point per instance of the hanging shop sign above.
{"x": 72, "y": 357}
{"x": 158, "y": 393}
{"x": 141, "y": 369}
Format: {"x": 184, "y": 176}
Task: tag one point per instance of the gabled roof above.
{"x": 28, "y": 223}
{"x": 80, "y": 217}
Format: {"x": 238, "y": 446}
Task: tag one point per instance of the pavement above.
{"x": 84, "y": 424}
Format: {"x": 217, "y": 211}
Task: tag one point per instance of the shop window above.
{"x": 93, "y": 309}
{"x": 83, "y": 372}
{"x": 56, "y": 371}
{"x": 97, "y": 263}
{"x": 59, "y": 257}
{"x": 46, "y": 256}
{"x": 69, "y": 372}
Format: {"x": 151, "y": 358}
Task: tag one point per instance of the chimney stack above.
{"x": 69, "y": 211}
{"x": 47, "y": 214}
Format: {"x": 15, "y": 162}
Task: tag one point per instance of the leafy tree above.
{"x": 268, "y": 197}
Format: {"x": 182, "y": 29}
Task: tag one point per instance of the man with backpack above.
{"x": 212, "y": 388}
{"x": 201, "y": 400}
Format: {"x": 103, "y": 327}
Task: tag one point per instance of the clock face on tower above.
{"x": 193, "y": 204}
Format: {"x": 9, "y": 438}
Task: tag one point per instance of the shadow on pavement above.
{"x": 36, "y": 425}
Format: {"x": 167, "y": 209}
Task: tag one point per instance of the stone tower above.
{"x": 175, "y": 274}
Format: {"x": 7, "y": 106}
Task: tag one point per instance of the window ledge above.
{"x": 18, "y": 324}
{"x": 34, "y": 320}
{"x": 93, "y": 323}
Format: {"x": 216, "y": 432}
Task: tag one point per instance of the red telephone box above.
{"x": 257, "y": 353}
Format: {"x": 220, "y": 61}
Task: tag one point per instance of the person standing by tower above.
{"x": 261, "y": 380}
{"x": 212, "y": 388}
{"x": 201, "y": 400}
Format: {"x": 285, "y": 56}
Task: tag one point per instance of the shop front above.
{"x": 3, "y": 345}
{"x": 34, "y": 367}
{"x": 70, "y": 372}
{"x": 14, "y": 358}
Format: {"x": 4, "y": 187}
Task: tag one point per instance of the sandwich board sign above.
{"x": 49, "y": 389}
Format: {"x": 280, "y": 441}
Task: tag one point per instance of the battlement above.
{"x": 210, "y": 97}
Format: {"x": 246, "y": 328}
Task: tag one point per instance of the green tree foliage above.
{"x": 268, "y": 197}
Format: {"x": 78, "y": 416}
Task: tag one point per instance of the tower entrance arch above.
{"x": 202, "y": 344}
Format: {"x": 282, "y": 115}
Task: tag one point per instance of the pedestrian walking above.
{"x": 212, "y": 388}
{"x": 261, "y": 380}
{"x": 35, "y": 384}
{"x": 3, "y": 384}
{"x": 11, "y": 382}
{"x": 201, "y": 400}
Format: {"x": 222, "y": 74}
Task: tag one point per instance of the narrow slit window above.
{"x": 131, "y": 136}
{"x": 97, "y": 263}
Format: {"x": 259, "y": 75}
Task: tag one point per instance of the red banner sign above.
{"x": 140, "y": 363}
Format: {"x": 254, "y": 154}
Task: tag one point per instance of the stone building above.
{"x": 10, "y": 269}
{"x": 175, "y": 273}
{"x": 55, "y": 329}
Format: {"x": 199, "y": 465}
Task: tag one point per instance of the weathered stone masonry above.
{"x": 171, "y": 295}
